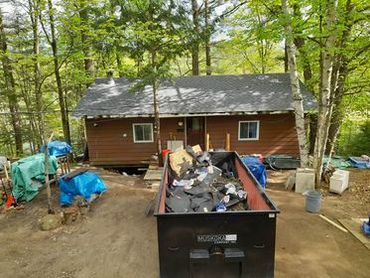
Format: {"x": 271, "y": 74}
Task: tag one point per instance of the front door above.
{"x": 195, "y": 131}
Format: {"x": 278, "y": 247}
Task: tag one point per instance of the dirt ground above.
{"x": 116, "y": 239}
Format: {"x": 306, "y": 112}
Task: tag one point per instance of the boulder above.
{"x": 50, "y": 222}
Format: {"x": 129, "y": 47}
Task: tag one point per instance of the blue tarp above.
{"x": 58, "y": 148}
{"x": 257, "y": 168}
{"x": 359, "y": 162}
{"x": 84, "y": 185}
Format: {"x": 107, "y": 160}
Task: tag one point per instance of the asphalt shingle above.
{"x": 193, "y": 95}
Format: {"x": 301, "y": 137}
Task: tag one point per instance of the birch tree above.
{"x": 295, "y": 86}
{"x": 325, "y": 93}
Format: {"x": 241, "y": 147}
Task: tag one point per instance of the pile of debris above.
{"x": 195, "y": 185}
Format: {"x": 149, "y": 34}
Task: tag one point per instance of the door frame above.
{"x": 204, "y": 128}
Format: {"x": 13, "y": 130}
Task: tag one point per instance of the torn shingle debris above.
{"x": 198, "y": 186}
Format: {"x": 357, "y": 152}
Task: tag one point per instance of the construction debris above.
{"x": 181, "y": 161}
{"x": 198, "y": 186}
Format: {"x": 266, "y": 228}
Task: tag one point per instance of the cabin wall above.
{"x": 277, "y": 134}
{"x": 108, "y": 145}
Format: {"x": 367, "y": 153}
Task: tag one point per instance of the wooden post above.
{"x": 46, "y": 169}
{"x": 207, "y": 141}
{"x": 227, "y": 142}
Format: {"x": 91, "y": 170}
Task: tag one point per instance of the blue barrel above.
{"x": 313, "y": 201}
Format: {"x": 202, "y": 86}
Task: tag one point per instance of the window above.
{"x": 249, "y": 130}
{"x": 143, "y": 133}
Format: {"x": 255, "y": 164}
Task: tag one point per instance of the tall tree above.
{"x": 10, "y": 89}
{"x": 207, "y": 36}
{"x": 195, "y": 42}
{"x": 156, "y": 28}
{"x": 295, "y": 86}
{"x": 325, "y": 93}
{"x": 52, "y": 39}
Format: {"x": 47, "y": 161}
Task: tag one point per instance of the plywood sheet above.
{"x": 180, "y": 161}
{"x": 354, "y": 226}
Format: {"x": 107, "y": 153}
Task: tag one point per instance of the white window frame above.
{"x": 134, "y": 136}
{"x": 249, "y": 139}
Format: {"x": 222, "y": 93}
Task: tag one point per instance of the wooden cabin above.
{"x": 251, "y": 113}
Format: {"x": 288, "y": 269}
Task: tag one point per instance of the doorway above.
{"x": 195, "y": 131}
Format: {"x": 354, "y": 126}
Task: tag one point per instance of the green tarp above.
{"x": 24, "y": 173}
{"x": 337, "y": 161}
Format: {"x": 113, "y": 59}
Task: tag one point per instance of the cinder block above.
{"x": 305, "y": 180}
{"x": 339, "y": 181}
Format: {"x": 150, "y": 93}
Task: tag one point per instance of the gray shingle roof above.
{"x": 215, "y": 94}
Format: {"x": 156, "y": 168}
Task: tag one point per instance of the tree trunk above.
{"x": 208, "y": 38}
{"x": 86, "y": 45}
{"x": 195, "y": 43}
{"x": 325, "y": 106}
{"x": 46, "y": 170}
{"x": 33, "y": 10}
{"x": 119, "y": 65}
{"x": 300, "y": 45}
{"x": 157, "y": 122}
{"x": 339, "y": 76}
{"x": 10, "y": 90}
{"x": 295, "y": 87}
{"x": 62, "y": 105}
{"x": 286, "y": 63}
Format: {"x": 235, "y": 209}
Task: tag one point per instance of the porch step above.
{"x": 152, "y": 178}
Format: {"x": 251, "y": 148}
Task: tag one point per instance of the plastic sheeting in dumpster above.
{"x": 84, "y": 184}
{"x": 257, "y": 168}
{"x": 28, "y": 173}
{"x": 58, "y": 148}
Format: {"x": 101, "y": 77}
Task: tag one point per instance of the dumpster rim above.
{"x": 249, "y": 212}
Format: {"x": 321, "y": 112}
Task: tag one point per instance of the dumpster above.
{"x": 239, "y": 243}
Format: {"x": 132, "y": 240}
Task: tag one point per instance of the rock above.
{"x": 50, "y": 222}
{"x": 71, "y": 214}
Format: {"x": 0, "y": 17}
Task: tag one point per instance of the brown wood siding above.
{"x": 107, "y": 146}
{"x": 277, "y": 134}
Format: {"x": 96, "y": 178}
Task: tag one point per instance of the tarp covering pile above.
{"x": 58, "y": 148}
{"x": 257, "y": 168}
{"x": 28, "y": 174}
{"x": 362, "y": 162}
{"x": 340, "y": 162}
{"x": 282, "y": 161}
{"x": 337, "y": 162}
{"x": 84, "y": 184}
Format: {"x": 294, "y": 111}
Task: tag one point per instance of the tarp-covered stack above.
{"x": 57, "y": 148}
{"x": 28, "y": 174}
{"x": 198, "y": 186}
{"x": 80, "y": 183}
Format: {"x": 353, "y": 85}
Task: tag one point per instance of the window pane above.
{"x": 243, "y": 130}
{"x": 248, "y": 130}
{"x": 196, "y": 124}
{"x": 143, "y": 132}
{"x": 147, "y": 132}
{"x": 139, "y": 133}
{"x": 252, "y": 130}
